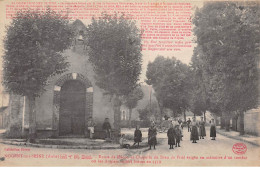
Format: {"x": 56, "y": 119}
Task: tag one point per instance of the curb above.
{"x": 27, "y": 144}
{"x": 237, "y": 138}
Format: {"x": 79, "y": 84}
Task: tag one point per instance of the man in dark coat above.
{"x": 152, "y": 132}
{"x": 171, "y": 136}
{"x": 107, "y": 128}
{"x": 137, "y": 136}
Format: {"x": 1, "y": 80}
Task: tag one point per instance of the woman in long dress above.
{"x": 194, "y": 136}
{"x": 202, "y": 130}
{"x": 152, "y": 132}
{"x": 213, "y": 129}
{"x": 137, "y": 136}
{"x": 171, "y": 136}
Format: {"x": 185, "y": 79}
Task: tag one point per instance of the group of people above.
{"x": 174, "y": 135}
{"x": 198, "y": 130}
{"x": 106, "y": 127}
{"x": 137, "y": 138}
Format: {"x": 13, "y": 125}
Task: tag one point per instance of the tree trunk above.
{"x": 204, "y": 113}
{"x": 184, "y": 115}
{"x": 32, "y": 119}
{"x": 130, "y": 117}
{"x": 234, "y": 123}
{"x": 161, "y": 111}
{"x": 222, "y": 122}
{"x": 194, "y": 115}
{"x": 117, "y": 119}
{"x": 227, "y": 124}
{"x": 242, "y": 127}
{"x": 227, "y": 121}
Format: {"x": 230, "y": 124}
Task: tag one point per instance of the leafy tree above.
{"x": 149, "y": 111}
{"x": 115, "y": 51}
{"x": 199, "y": 98}
{"x": 228, "y": 36}
{"x": 132, "y": 100}
{"x": 144, "y": 114}
{"x": 33, "y": 52}
{"x": 156, "y": 70}
{"x": 169, "y": 78}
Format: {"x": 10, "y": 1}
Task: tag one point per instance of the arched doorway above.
{"x": 72, "y": 108}
{"x": 72, "y": 84}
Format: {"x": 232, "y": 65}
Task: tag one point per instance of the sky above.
{"x": 183, "y": 55}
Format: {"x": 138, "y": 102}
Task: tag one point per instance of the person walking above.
{"x": 188, "y": 123}
{"x": 213, "y": 129}
{"x": 171, "y": 136}
{"x": 194, "y": 136}
{"x": 202, "y": 130}
{"x": 137, "y": 136}
{"x": 152, "y": 132}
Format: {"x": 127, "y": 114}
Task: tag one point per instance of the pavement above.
{"x": 254, "y": 140}
{"x": 86, "y": 143}
{"x": 75, "y": 143}
{"x": 205, "y": 152}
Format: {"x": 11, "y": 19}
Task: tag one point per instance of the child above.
{"x": 122, "y": 142}
{"x": 178, "y": 135}
{"x": 137, "y": 136}
{"x": 171, "y": 136}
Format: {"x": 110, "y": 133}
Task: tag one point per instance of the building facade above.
{"x": 70, "y": 98}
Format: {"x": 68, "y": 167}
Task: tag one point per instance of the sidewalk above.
{"x": 254, "y": 140}
{"x": 73, "y": 143}
{"x": 67, "y": 143}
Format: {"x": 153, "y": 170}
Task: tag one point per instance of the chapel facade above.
{"x": 70, "y": 99}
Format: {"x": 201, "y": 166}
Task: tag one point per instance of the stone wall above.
{"x": 251, "y": 121}
{"x": 14, "y": 126}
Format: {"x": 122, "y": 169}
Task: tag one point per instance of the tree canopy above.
{"x": 132, "y": 99}
{"x": 33, "y": 51}
{"x": 228, "y": 38}
{"x": 115, "y": 51}
{"x": 169, "y": 78}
